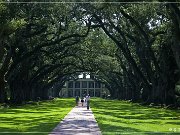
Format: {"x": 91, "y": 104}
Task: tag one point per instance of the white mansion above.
{"x": 82, "y": 87}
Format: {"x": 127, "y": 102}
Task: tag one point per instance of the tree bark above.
{"x": 3, "y": 70}
{"x": 175, "y": 17}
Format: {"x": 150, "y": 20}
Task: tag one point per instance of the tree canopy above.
{"x": 133, "y": 48}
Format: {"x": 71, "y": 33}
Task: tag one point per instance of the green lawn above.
{"x": 121, "y": 117}
{"x": 34, "y": 118}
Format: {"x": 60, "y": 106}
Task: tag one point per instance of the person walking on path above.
{"x": 77, "y": 100}
{"x": 88, "y": 101}
{"x": 82, "y": 101}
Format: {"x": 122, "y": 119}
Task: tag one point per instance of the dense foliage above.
{"x": 133, "y": 48}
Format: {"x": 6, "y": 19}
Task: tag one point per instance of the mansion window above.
{"x": 97, "y": 85}
{"x": 77, "y": 84}
{"x": 91, "y": 84}
{"x": 84, "y": 84}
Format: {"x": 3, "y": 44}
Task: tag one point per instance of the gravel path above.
{"x": 79, "y": 121}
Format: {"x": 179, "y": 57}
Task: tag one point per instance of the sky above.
{"x": 81, "y": 76}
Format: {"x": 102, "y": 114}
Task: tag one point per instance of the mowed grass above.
{"x": 121, "y": 117}
{"x": 38, "y": 118}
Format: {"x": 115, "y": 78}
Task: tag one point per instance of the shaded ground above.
{"x": 35, "y": 118}
{"x": 120, "y": 117}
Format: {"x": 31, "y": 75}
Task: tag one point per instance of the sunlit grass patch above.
{"x": 122, "y": 117}
{"x": 42, "y": 117}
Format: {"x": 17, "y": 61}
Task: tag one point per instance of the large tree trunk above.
{"x": 20, "y": 90}
{"x": 176, "y": 51}
{"x": 3, "y": 70}
{"x": 175, "y": 16}
{"x": 163, "y": 87}
{"x": 3, "y": 95}
{"x": 17, "y": 95}
{"x": 2, "y": 50}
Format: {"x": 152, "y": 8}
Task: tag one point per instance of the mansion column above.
{"x": 80, "y": 88}
{"x": 87, "y": 87}
{"x": 94, "y": 89}
{"x": 73, "y": 88}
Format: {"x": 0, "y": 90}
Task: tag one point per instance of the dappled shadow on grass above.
{"x": 120, "y": 116}
{"x": 140, "y": 116}
{"x": 119, "y": 130}
{"x": 42, "y": 117}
